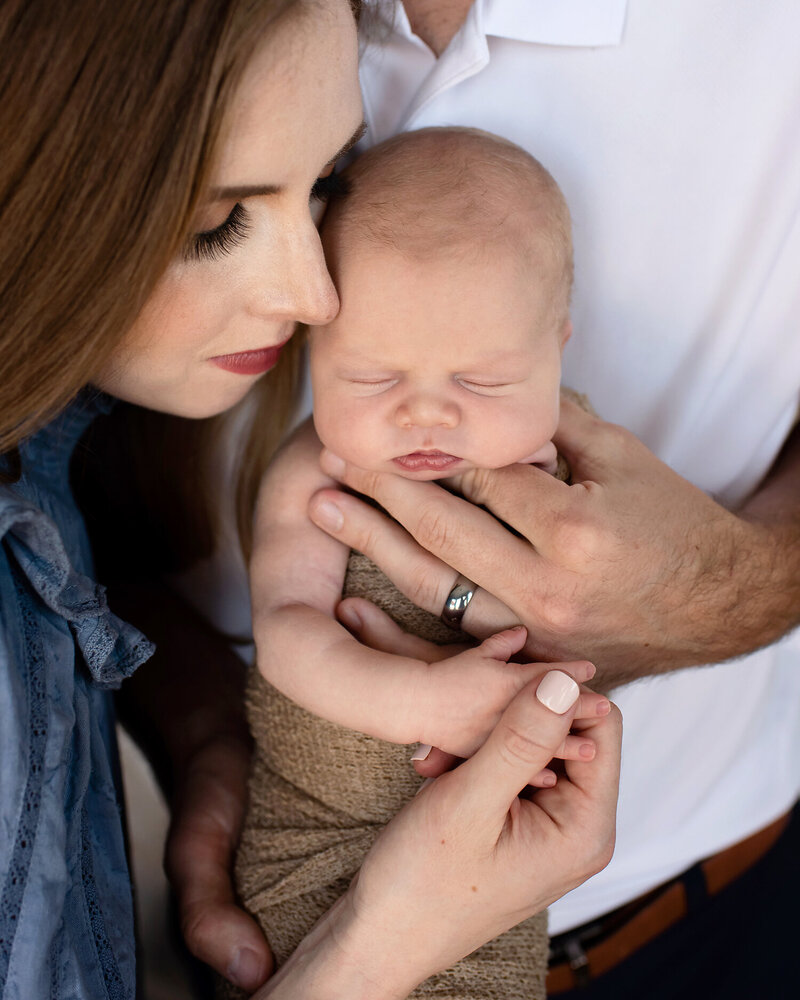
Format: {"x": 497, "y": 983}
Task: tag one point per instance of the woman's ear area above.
{"x": 566, "y": 332}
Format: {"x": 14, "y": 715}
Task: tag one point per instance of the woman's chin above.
{"x": 181, "y": 401}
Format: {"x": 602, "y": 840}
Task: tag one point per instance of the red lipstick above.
{"x": 419, "y": 461}
{"x": 249, "y": 362}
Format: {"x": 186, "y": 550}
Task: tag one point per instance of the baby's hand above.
{"x": 461, "y": 698}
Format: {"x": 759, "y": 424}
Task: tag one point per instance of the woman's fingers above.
{"x": 596, "y": 782}
{"x": 523, "y": 743}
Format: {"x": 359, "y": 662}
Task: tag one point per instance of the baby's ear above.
{"x": 566, "y": 332}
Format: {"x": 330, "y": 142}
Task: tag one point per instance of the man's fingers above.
{"x": 225, "y": 938}
{"x": 199, "y": 858}
{"x": 215, "y": 930}
{"x": 456, "y": 531}
{"x": 523, "y": 743}
{"x": 424, "y": 579}
{"x": 593, "y": 448}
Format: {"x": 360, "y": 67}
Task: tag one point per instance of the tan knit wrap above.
{"x": 320, "y": 795}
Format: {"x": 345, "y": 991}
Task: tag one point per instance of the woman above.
{"x": 158, "y": 164}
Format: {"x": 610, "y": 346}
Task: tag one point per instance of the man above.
{"x": 672, "y": 131}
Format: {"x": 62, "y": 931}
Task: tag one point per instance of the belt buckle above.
{"x": 578, "y": 962}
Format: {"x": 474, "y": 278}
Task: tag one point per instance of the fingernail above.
{"x": 548, "y": 780}
{"x": 327, "y": 515}
{"x": 587, "y": 751}
{"x": 348, "y": 616}
{"x": 332, "y": 464}
{"x": 557, "y": 691}
{"x": 425, "y": 783}
{"x": 246, "y": 970}
{"x": 422, "y": 752}
{"x": 603, "y": 707}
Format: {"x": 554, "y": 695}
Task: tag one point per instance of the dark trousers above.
{"x": 741, "y": 944}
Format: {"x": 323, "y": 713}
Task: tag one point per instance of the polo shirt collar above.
{"x": 548, "y": 22}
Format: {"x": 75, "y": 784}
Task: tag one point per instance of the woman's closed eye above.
{"x": 214, "y": 243}
{"x": 330, "y": 185}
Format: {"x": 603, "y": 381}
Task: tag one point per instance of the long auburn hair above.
{"x": 110, "y": 114}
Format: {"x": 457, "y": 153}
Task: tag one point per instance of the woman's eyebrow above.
{"x": 359, "y": 132}
{"x": 256, "y": 190}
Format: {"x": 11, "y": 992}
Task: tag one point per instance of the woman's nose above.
{"x": 427, "y": 411}
{"x": 299, "y": 287}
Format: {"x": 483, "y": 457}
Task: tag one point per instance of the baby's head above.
{"x": 453, "y": 260}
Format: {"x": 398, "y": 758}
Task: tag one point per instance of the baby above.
{"x": 452, "y": 255}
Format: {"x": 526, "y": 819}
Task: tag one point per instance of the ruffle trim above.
{"x": 111, "y": 648}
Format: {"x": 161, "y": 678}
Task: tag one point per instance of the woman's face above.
{"x": 219, "y": 315}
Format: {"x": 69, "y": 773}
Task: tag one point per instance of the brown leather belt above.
{"x": 619, "y": 934}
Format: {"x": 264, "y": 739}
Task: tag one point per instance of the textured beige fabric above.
{"x": 319, "y": 796}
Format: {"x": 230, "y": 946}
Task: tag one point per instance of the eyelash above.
{"x": 472, "y": 386}
{"x": 214, "y": 243}
{"x": 332, "y": 186}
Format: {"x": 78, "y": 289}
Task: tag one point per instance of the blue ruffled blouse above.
{"x": 66, "y": 912}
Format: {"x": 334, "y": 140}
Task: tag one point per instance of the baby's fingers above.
{"x": 374, "y": 628}
{"x": 590, "y": 704}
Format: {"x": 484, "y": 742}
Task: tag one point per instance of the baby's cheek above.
{"x": 347, "y": 434}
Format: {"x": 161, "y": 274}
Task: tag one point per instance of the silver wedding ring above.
{"x": 457, "y": 602}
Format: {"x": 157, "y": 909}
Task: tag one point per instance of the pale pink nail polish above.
{"x": 557, "y": 691}
{"x": 422, "y": 752}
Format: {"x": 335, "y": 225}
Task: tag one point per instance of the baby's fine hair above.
{"x": 455, "y": 191}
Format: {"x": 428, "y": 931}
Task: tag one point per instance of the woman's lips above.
{"x": 421, "y": 460}
{"x": 249, "y": 362}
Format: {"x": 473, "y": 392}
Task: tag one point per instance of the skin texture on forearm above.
{"x": 773, "y": 594}
{"x": 323, "y": 968}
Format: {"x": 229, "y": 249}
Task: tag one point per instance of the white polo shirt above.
{"x": 674, "y": 132}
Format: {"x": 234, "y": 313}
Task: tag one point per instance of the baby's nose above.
{"x": 427, "y": 411}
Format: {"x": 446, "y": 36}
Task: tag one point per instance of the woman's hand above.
{"x": 632, "y": 566}
{"x": 467, "y": 689}
{"x": 467, "y": 859}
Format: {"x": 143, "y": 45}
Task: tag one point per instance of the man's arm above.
{"x": 632, "y": 566}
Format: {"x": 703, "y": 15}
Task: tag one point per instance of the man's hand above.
{"x": 207, "y": 814}
{"x": 185, "y": 707}
{"x": 631, "y": 567}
